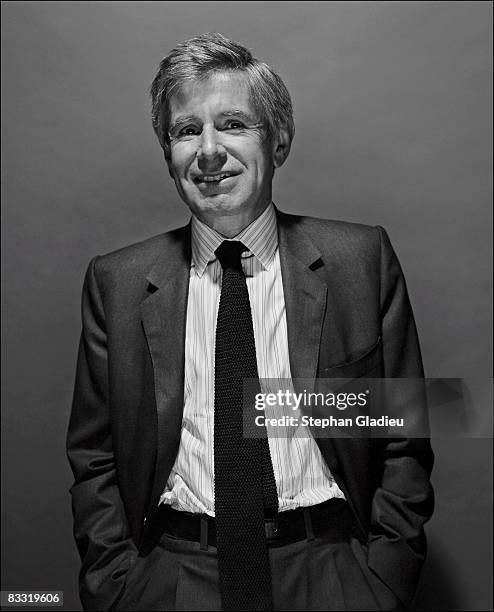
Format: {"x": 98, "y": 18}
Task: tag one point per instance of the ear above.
{"x": 168, "y": 159}
{"x": 281, "y": 146}
{"x": 169, "y": 167}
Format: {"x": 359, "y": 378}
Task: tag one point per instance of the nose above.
{"x": 211, "y": 154}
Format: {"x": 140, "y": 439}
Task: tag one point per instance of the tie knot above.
{"x": 228, "y": 254}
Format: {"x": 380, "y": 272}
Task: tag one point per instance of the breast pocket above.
{"x": 352, "y": 384}
{"x": 368, "y": 364}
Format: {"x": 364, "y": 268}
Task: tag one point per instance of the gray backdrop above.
{"x": 393, "y": 127}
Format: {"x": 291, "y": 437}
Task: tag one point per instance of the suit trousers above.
{"x": 306, "y": 575}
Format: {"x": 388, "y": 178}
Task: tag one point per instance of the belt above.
{"x": 331, "y": 520}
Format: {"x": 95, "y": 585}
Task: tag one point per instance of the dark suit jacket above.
{"x": 348, "y": 315}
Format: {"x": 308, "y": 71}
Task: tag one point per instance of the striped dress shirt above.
{"x": 301, "y": 474}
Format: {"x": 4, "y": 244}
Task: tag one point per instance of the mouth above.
{"x": 213, "y": 179}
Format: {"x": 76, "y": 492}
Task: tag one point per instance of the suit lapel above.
{"x": 163, "y": 314}
{"x": 305, "y": 295}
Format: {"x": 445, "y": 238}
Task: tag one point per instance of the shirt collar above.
{"x": 260, "y": 237}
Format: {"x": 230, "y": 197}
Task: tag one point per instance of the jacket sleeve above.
{"x": 101, "y": 530}
{"x": 404, "y": 500}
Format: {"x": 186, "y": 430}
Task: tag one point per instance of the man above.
{"x": 175, "y": 507}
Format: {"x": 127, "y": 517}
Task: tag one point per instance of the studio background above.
{"x": 393, "y": 127}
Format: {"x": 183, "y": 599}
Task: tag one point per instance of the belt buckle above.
{"x": 271, "y": 528}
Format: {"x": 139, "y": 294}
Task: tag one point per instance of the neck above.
{"x": 230, "y": 226}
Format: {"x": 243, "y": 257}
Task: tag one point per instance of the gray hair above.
{"x": 198, "y": 58}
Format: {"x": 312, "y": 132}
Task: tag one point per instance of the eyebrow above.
{"x": 237, "y": 112}
{"x": 231, "y": 112}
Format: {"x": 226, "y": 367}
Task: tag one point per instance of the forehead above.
{"x": 220, "y": 92}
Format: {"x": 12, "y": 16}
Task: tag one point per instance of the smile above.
{"x": 213, "y": 178}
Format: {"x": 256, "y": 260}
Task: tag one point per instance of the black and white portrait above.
{"x": 216, "y": 215}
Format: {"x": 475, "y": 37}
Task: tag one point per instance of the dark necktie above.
{"x": 245, "y": 488}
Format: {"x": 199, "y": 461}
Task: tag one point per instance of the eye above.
{"x": 234, "y": 124}
{"x": 189, "y": 130}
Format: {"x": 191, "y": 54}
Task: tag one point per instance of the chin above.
{"x": 220, "y": 204}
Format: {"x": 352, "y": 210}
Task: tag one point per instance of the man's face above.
{"x": 220, "y": 159}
